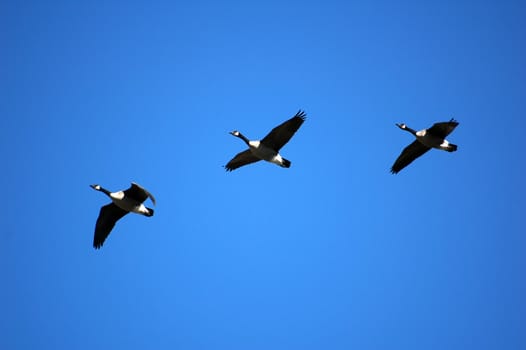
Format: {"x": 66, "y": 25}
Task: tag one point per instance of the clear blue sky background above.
{"x": 333, "y": 253}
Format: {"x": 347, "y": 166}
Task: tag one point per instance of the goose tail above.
{"x": 285, "y": 163}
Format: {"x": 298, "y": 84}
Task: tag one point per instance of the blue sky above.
{"x": 333, "y": 253}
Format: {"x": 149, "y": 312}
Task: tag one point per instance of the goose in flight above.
{"x": 268, "y": 147}
{"x": 434, "y": 137}
{"x": 123, "y": 202}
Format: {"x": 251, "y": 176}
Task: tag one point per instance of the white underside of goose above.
{"x": 128, "y": 204}
{"x": 265, "y": 153}
{"x": 432, "y": 142}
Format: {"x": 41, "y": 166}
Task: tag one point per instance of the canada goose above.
{"x": 267, "y": 148}
{"x": 123, "y": 202}
{"x": 434, "y": 137}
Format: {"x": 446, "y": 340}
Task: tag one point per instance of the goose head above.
{"x": 241, "y": 136}
{"x": 402, "y": 126}
{"x": 95, "y": 187}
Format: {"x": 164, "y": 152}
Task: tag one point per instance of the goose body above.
{"x": 267, "y": 148}
{"x": 123, "y": 202}
{"x": 434, "y": 137}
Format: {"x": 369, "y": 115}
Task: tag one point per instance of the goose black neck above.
{"x": 242, "y": 137}
{"x": 105, "y": 191}
{"x": 412, "y": 131}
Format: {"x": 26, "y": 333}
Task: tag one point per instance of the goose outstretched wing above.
{"x": 443, "y": 129}
{"x": 241, "y": 159}
{"x": 108, "y": 217}
{"x": 139, "y": 193}
{"x": 408, "y": 155}
{"x": 281, "y": 134}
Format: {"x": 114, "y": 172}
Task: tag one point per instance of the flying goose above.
{"x": 434, "y": 137}
{"x": 122, "y": 203}
{"x": 267, "y": 148}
